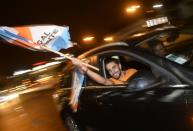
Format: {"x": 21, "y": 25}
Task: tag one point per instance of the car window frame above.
{"x": 133, "y": 55}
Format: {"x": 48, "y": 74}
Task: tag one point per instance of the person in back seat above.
{"x": 158, "y": 48}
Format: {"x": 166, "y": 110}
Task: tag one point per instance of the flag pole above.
{"x": 70, "y": 58}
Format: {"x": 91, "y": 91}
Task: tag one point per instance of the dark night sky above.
{"x": 99, "y": 17}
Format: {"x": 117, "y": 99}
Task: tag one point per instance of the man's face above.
{"x": 160, "y": 50}
{"x": 114, "y": 69}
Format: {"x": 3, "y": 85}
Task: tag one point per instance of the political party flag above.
{"x": 77, "y": 85}
{"x": 40, "y": 38}
{"x": 12, "y": 38}
{"x": 52, "y": 37}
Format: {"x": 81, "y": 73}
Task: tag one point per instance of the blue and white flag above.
{"x": 34, "y": 37}
{"x": 77, "y": 85}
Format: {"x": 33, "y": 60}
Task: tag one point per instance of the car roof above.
{"x": 113, "y": 44}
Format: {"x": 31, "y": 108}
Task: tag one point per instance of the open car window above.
{"x": 126, "y": 63}
{"x": 92, "y": 60}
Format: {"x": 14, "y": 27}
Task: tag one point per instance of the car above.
{"x": 158, "y": 97}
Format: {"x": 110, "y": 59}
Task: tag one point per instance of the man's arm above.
{"x": 93, "y": 75}
{"x": 98, "y": 78}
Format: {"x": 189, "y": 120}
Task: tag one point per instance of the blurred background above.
{"x": 28, "y": 79}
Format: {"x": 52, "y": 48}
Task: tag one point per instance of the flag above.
{"x": 77, "y": 85}
{"x": 10, "y": 35}
{"x": 34, "y": 37}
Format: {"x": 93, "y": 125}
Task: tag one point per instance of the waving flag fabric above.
{"x": 11, "y": 35}
{"x": 78, "y": 79}
{"x": 33, "y": 37}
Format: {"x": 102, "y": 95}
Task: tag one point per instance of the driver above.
{"x": 113, "y": 66}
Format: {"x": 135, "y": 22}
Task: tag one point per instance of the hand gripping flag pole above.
{"x": 68, "y": 57}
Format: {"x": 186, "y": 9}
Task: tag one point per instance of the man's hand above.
{"x": 79, "y": 64}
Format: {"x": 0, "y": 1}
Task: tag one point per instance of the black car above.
{"x": 158, "y": 97}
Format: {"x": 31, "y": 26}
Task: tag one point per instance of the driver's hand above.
{"x": 79, "y": 64}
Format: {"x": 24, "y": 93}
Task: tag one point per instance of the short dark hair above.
{"x": 110, "y": 59}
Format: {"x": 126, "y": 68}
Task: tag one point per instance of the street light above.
{"x": 157, "y": 6}
{"x": 133, "y": 8}
{"x": 130, "y": 10}
{"x": 88, "y": 38}
{"x": 108, "y": 39}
